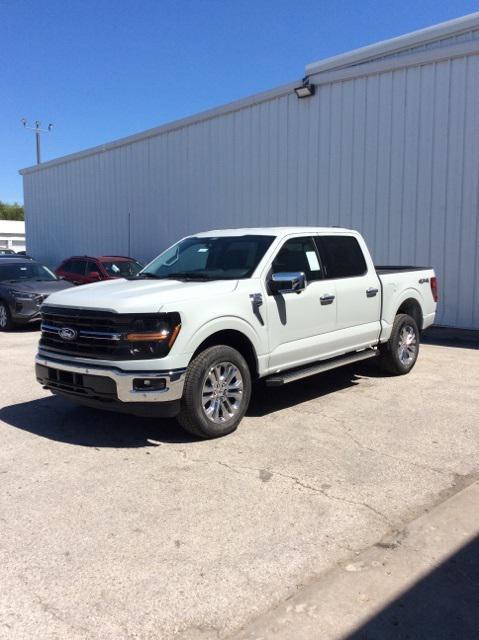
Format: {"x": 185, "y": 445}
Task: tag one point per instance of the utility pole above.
{"x": 38, "y": 130}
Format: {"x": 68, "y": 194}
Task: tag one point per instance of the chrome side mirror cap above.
{"x": 287, "y": 282}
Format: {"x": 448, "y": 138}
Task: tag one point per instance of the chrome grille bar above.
{"x": 94, "y": 335}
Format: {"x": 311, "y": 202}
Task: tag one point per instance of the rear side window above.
{"x": 91, "y": 267}
{"x": 342, "y": 256}
{"x": 76, "y": 266}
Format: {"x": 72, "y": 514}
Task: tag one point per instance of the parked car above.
{"x": 7, "y": 252}
{"x": 14, "y": 255}
{"x": 85, "y": 269}
{"x": 191, "y": 332}
{"x": 24, "y": 285}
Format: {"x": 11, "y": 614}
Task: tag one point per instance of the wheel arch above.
{"x": 237, "y": 340}
{"x": 412, "y": 307}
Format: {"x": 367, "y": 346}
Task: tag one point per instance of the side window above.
{"x": 78, "y": 267}
{"x": 67, "y": 266}
{"x": 91, "y": 266}
{"x": 299, "y": 254}
{"x": 342, "y": 256}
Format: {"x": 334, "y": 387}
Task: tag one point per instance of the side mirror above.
{"x": 287, "y": 282}
{"x": 94, "y": 275}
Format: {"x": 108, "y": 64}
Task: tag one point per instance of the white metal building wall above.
{"x": 389, "y": 147}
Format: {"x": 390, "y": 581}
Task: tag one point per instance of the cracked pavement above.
{"x": 118, "y": 527}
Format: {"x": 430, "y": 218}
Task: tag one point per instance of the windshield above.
{"x": 22, "y": 271}
{"x": 122, "y": 268}
{"x": 220, "y": 258}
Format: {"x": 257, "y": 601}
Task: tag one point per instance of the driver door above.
{"x": 300, "y": 325}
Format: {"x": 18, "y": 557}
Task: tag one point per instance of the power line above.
{"x": 38, "y": 131}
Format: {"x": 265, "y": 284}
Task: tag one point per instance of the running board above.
{"x": 279, "y": 379}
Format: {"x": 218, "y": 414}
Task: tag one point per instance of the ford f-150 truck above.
{"x": 190, "y": 334}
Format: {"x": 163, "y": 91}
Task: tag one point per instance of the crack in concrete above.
{"x": 48, "y": 608}
{"x": 298, "y": 482}
{"x": 365, "y": 447}
{"x": 325, "y": 493}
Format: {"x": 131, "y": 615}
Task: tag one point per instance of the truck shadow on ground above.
{"x": 267, "y": 400}
{"x": 60, "y": 420}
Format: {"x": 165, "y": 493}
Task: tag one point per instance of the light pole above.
{"x": 38, "y": 130}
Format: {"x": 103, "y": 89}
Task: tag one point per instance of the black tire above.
{"x": 396, "y": 358}
{"x": 193, "y": 415}
{"x": 6, "y": 322}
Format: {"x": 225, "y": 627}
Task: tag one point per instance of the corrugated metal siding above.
{"x": 395, "y": 155}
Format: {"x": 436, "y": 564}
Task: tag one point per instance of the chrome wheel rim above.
{"x": 407, "y": 348}
{"x": 3, "y": 316}
{"x": 222, "y": 392}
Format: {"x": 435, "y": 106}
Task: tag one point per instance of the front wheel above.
{"x": 5, "y": 317}
{"x": 216, "y": 394}
{"x": 399, "y": 354}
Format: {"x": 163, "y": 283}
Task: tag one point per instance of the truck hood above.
{"x": 139, "y": 296}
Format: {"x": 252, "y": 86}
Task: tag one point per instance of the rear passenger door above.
{"x": 92, "y": 272}
{"x": 358, "y": 298}
{"x": 76, "y": 271}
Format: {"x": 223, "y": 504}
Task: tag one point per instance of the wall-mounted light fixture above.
{"x": 306, "y": 89}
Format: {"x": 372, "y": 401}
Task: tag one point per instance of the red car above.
{"x": 85, "y": 269}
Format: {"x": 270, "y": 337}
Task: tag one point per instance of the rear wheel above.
{"x": 400, "y": 353}
{"x": 5, "y": 317}
{"x": 216, "y": 394}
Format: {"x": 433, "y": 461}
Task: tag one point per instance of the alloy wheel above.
{"x": 222, "y": 392}
{"x": 3, "y": 316}
{"x": 407, "y": 347}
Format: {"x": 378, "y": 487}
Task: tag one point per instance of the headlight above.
{"x": 24, "y": 295}
{"x": 153, "y": 336}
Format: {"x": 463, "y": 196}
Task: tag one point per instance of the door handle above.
{"x": 371, "y": 292}
{"x": 327, "y": 299}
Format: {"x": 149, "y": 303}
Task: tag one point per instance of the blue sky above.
{"x": 101, "y": 70}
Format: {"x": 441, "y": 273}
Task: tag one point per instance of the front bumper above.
{"x": 108, "y": 384}
{"x": 25, "y": 311}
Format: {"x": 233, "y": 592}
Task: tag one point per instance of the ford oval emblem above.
{"x": 67, "y": 334}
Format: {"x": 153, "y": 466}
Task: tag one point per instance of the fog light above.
{"x": 149, "y": 384}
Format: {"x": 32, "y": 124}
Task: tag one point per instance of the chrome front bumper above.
{"x": 175, "y": 380}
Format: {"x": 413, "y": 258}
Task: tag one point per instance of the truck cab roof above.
{"x": 268, "y": 231}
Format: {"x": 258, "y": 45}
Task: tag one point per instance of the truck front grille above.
{"x": 99, "y": 334}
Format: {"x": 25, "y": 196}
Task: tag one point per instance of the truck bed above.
{"x": 382, "y": 270}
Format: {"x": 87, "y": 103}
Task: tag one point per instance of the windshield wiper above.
{"x": 180, "y": 275}
{"x": 146, "y": 274}
{"x": 185, "y": 275}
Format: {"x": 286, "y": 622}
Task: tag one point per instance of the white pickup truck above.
{"x": 190, "y": 334}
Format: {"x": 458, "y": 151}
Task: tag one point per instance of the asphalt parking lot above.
{"x": 120, "y": 527}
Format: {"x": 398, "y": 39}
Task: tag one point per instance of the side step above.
{"x": 279, "y": 379}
